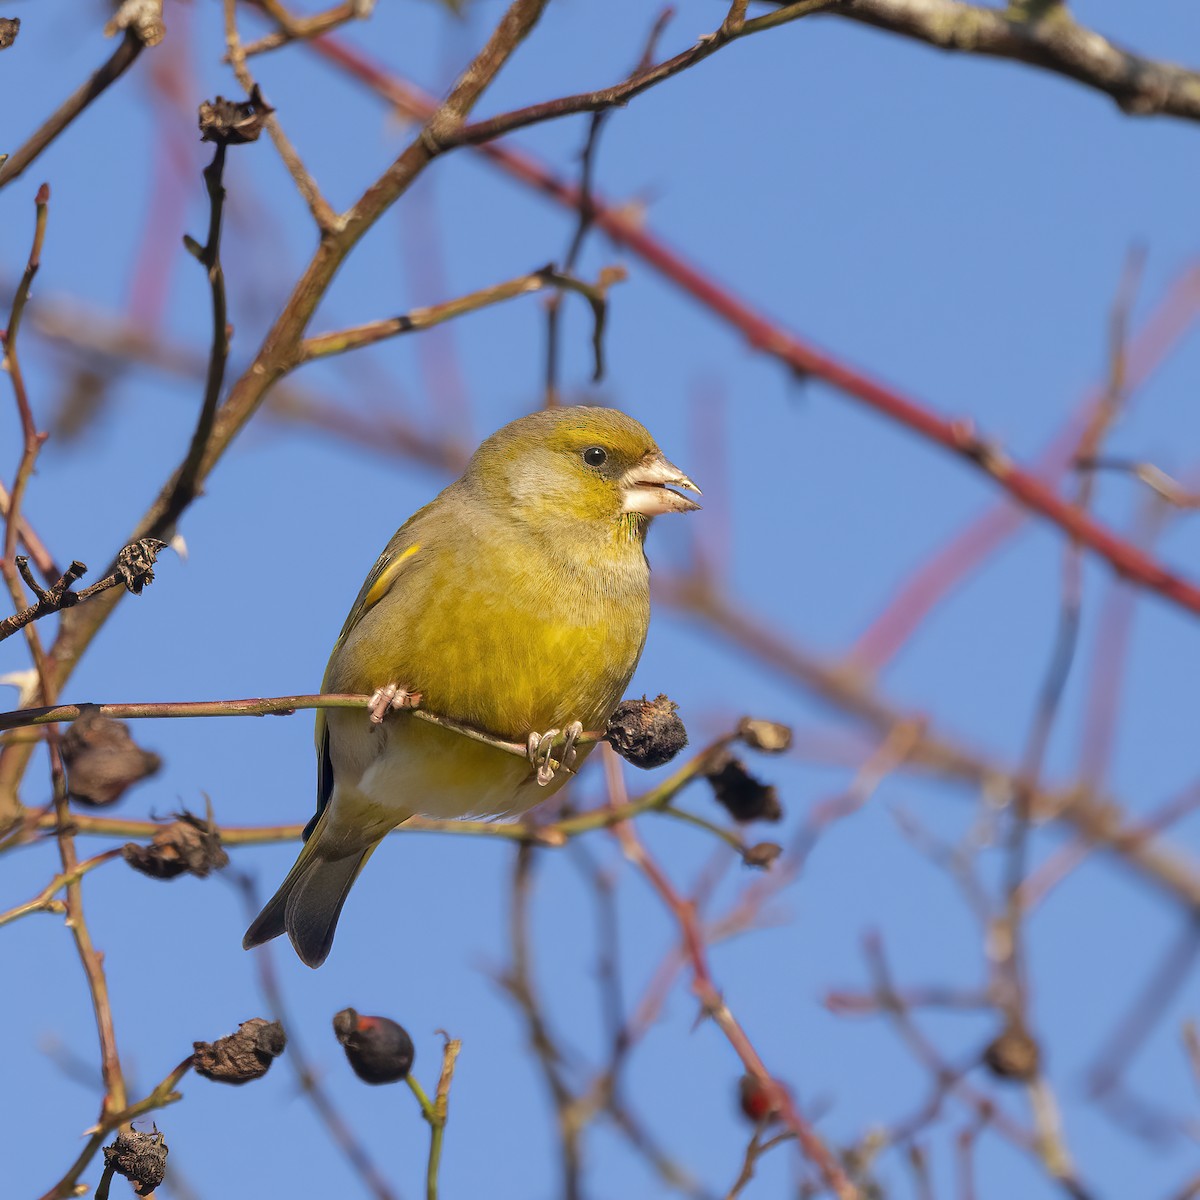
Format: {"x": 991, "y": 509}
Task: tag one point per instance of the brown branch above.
{"x": 133, "y": 571}
{"x": 1055, "y": 42}
{"x": 957, "y": 435}
{"x": 617, "y": 96}
{"x": 714, "y": 1006}
{"x": 278, "y": 349}
{"x": 326, "y": 218}
{"x": 325, "y": 344}
{"x": 301, "y": 29}
{"x": 123, "y": 57}
{"x": 1095, "y": 817}
{"x": 161, "y": 1096}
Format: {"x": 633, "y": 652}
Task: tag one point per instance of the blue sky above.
{"x": 957, "y": 227}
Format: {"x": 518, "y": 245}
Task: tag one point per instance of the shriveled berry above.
{"x": 743, "y": 796}
{"x": 647, "y": 733}
{"x": 139, "y": 1157}
{"x": 1013, "y": 1054}
{"x": 377, "y": 1048}
{"x": 241, "y": 1056}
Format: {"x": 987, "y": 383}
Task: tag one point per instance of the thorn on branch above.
{"x": 242, "y": 1056}
{"x": 139, "y": 1157}
{"x": 647, "y": 733}
{"x": 103, "y": 760}
{"x": 377, "y": 1048}
{"x": 234, "y": 122}
{"x": 190, "y": 845}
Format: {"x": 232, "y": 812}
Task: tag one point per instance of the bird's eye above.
{"x": 595, "y": 456}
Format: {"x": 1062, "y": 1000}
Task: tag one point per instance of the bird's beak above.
{"x": 645, "y": 489}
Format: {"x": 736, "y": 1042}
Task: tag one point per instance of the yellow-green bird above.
{"x": 517, "y": 603}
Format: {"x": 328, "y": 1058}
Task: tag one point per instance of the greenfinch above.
{"x": 517, "y": 603}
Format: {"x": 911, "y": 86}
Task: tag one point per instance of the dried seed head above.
{"x": 378, "y": 1049}
{"x": 646, "y": 733}
{"x": 102, "y": 760}
{"x": 743, "y": 796}
{"x": 190, "y": 845}
{"x": 241, "y": 1056}
{"x": 139, "y": 1157}
{"x": 768, "y": 736}
{"x": 135, "y": 563}
{"x": 234, "y": 122}
{"x": 1014, "y": 1054}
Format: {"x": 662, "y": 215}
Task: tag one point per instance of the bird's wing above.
{"x": 388, "y": 568}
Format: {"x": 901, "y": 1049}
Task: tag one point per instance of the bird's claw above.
{"x": 384, "y": 699}
{"x": 540, "y": 747}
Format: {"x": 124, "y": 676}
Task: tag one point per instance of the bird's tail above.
{"x": 309, "y": 901}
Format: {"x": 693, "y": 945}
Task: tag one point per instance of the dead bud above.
{"x": 761, "y": 854}
{"x": 646, "y": 733}
{"x": 1013, "y": 1054}
{"x": 102, "y": 760}
{"x": 768, "y": 736}
{"x": 9, "y": 28}
{"x": 189, "y": 845}
{"x": 234, "y": 122}
{"x": 740, "y": 793}
{"x": 135, "y": 563}
{"x": 241, "y": 1056}
{"x": 377, "y": 1048}
{"x": 139, "y": 1157}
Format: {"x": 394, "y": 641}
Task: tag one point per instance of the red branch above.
{"x": 956, "y": 435}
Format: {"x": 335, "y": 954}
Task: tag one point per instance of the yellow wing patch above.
{"x": 387, "y": 577}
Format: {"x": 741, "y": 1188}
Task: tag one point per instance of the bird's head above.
{"x": 581, "y": 463}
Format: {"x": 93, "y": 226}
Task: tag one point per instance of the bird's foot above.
{"x": 540, "y": 749}
{"x": 384, "y": 699}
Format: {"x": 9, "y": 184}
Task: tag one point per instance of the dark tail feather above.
{"x": 308, "y": 903}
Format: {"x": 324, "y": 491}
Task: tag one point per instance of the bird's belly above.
{"x": 436, "y": 773}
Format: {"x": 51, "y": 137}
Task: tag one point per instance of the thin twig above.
{"x": 326, "y": 218}
{"x": 714, "y": 1006}
{"x": 957, "y": 435}
{"x": 435, "y": 1112}
{"x": 122, "y": 58}
{"x": 325, "y": 344}
{"x": 163, "y": 1094}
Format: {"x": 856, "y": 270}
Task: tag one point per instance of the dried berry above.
{"x": 379, "y": 1050}
{"x": 1013, "y": 1054}
{"x": 647, "y": 733}
{"x": 234, "y": 122}
{"x": 743, "y": 796}
{"x": 189, "y": 845}
{"x": 102, "y": 760}
{"x": 241, "y": 1056}
{"x": 139, "y": 1157}
{"x": 761, "y": 854}
{"x": 135, "y": 563}
{"x": 768, "y": 736}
